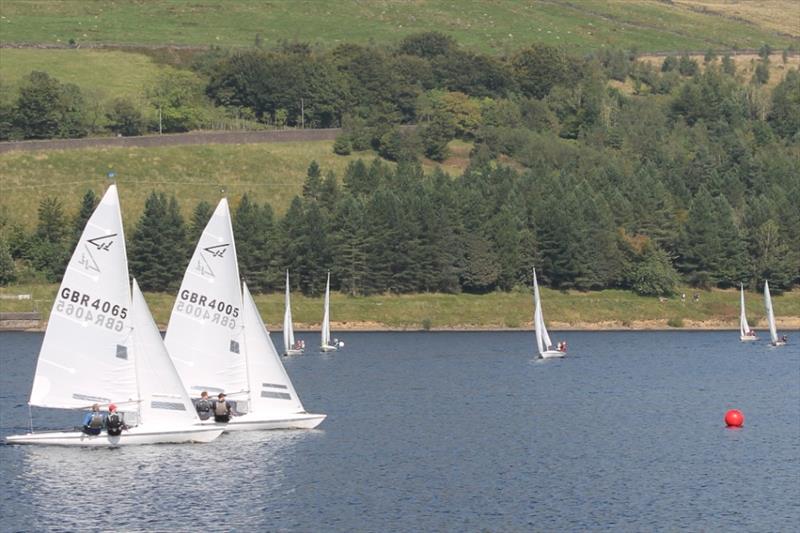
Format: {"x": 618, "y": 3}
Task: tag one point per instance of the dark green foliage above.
{"x": 539, "y": 68}
{"x": 427, "y": 44}
{"x": 125, "y": 118}
{"x": 342, "y": 145}
{"x": 200, "y": 217}
{"x": 653, "y": 274}
{"x": 8, "y": 273}
{"x": 159, "y": 251}
{"x": 88, "y": 204}
{"x": 761, "y": 73}
{"x": 257, "y": 245}
{"x": 47, "y": 108}
{"x": 785, "y": 113}
{"x": 688, "y": 66}
{"x": 48, "y": 250}
{"x": 670, "y": 64}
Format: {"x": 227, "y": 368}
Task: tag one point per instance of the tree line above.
{"x": 688, "y": 173}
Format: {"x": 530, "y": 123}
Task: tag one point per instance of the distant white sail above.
{"x": 773, "y": 332}
{"x": 326, "y": 317}
{"x": 204, "y": 336}
{"x": 85, "y": 356}
{"x": 288, "y": 329}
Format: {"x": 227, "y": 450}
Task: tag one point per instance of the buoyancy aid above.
{"x": 96, "y": 422}
{"x": 221, "y": 408}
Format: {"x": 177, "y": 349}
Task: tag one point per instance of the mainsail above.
{"x": 85, "y": 356}
{"x": 204, "y": 337}
{"x": 326, "y": 318}
{"x": 744, "y": 327}
{"x": 773, "y": 332}
{"x": 288, "y": 329}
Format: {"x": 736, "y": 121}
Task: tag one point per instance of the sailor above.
{"x": 204, "y": 406}
{"x": 94, "y": 421}
{"x": 114, "y": 424}
{"x": 222, "y": 409}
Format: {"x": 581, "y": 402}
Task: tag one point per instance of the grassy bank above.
{"x": 601, "y": 310}
{"x": 499, "y": 26}
{"x": 271, "y": 173}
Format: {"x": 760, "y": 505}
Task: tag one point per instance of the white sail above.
{"x": 204, "y": 336}
{"x": 326, "y": 318}
{"x": 288, "y": 330}
{"x": 271, "y": 390}
{"x": 85, "y": 356}
{"x": 773, "y": 332}
{"x": 744, "y": 327}
{"x": 164, "y": 401}
{"x": 542, "y": 338}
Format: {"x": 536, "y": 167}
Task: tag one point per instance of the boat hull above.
{"x": 327, "y": 348}
{"x": 293, "y": 352}
{"x": 552, "y": 354}
{"x": 778, "y": 343}
{"x": 255, "y": 422}
{"x": 132, "y": 437}
{"x": 748, "y": 338}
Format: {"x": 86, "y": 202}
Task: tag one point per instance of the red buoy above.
{"x": 734, "y": 418}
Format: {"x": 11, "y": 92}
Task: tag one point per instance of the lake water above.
{"x": 451, "y": 432}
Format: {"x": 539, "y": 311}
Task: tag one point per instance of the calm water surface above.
{"x": 451, "y": 432}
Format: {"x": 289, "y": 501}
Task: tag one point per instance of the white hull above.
{"x": 131, "y": 437}
{"x": 778, "y": 343}
{"x": 552, "y": 354}
{"x": 328, "y": 348}
{"x": 294, "y": 352}
{"x": 256, "y": 422}
{"x": 747, "y": 338}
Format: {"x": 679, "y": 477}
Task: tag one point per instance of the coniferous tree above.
{"x": 8, "y": 272}
{"x": 88, "y": 205}
{"x": 151, "y": 254}
{"x": 49, "y": 251}
{"x": 200, "y": 218}
{"x": 257, "y": 245}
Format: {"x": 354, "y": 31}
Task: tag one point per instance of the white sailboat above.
{"x": 219, "y": 344}
{"x": 102, "y": 347}
{"x": 745, "y": 333}
{"x": 543, "y": 342}
{"x": 289, "y": 345}
{"x": 326, "y": 345}
{"x": 773, "y": 332}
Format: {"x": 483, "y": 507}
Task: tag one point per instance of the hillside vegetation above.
{"x": 499, "y": 26}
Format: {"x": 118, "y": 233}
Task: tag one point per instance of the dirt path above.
{"x": 175, "y": 139}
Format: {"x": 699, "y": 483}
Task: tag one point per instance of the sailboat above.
{"x": 745, "y": 333}
{"x": 102, "y": 346}
{"x": 773, "y": 333}
{"x": 325, "y": 344}
{"x": 289, "y": 346}
{"x": 219, "y": 344}
{"x": 543, "y": 341}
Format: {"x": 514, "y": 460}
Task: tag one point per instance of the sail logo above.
{"x": 102, "y": 243}
{"x": 215, "y": 252}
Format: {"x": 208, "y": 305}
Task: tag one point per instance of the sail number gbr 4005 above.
{"x": 82, "y": 306}
{"x": 200, "y": 306}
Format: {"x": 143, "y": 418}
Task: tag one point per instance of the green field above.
{"x": 604, "y": 309}
{"x": 498, "y": 26}
{"x": 101, "y": 74}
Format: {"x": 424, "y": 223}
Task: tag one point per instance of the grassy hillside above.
{"x": 273, "y": 173}
{"x": 605, "y": 309}
{"x": 498, "y": 26}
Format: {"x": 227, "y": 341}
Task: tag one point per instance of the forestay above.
{"x": 164, "y": 401}
{"x": 204, "y": 337}
{"x": 271, "y": 390}
{"x": 85, "y": 356}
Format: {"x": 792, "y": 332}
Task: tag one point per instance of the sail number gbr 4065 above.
{"x": 82, "y": 306}
{"x": 200, "y": 306}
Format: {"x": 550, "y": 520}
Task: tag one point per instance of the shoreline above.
{"x": 784, "y": 323}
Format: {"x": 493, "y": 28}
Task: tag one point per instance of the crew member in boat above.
{"x": 562, "y": 346}
{"x": 223, "y": 409}
{"x": 114, "y": 423}
{"x": 94, "y": 421}
{"x": 204, "y": 406}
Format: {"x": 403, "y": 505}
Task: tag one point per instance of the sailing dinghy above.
{"x": 102, "y": 347}
{"x": 326, "y": 345}
{"x": 219, "y": 344}
{"x": 773, "y": 332}
{"x": 290, "y": 347}
{"x": 745, "y": 333}
{"x": 543, "y": 341}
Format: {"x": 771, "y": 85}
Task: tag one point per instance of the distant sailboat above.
{"x": 773, "y": 333}
{"x": 290, "y": 347}
{"x": 745, "y": 333}
{"x": 102, "y": 347}
{"x": 543, "y": 341}
{"x": 219, "y": 343}
{"x": 326, "y": 345}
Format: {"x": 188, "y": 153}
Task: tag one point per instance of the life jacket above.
{"x": 114, "y": 421}
{"x": 221, "y": 408}
{"x": 96, "y": 422}
{"x": 203, "y": 406}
